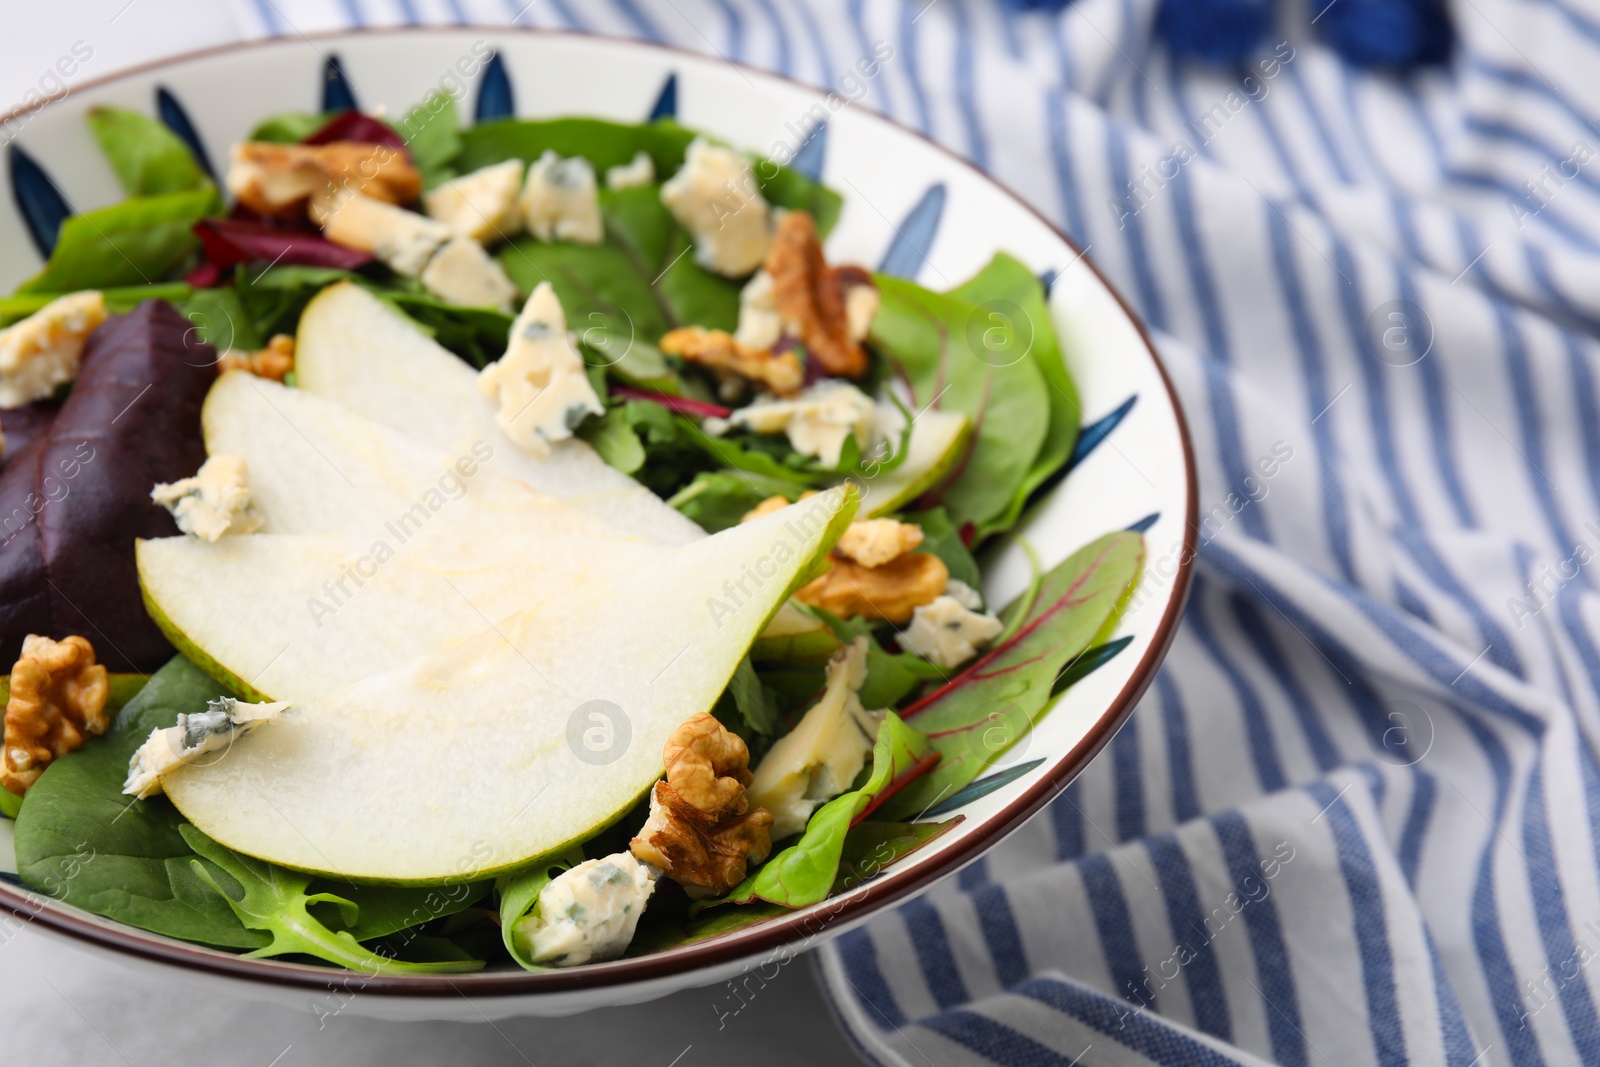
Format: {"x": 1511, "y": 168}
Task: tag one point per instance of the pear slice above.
{"x": 293, "y": 617}
{"x": 356, "y": 351}
{"x": 937, "y": 438}
{"x": 317, "y": 468}
{"x": 545, "y": 728}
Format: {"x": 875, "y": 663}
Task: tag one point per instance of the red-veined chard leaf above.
{"x": 994, "y": 702}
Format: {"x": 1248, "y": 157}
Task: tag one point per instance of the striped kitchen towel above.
{"x": 1355, "y": 820}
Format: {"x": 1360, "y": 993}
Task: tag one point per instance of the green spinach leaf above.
{"x": 142, "y": 240}
{"x": 117, "y": 300}
{"x": 996, "y": 699}
{"x": 149, "y": 158}
{"x": 82, "y": 841}
{"x": 1018, "y": 323}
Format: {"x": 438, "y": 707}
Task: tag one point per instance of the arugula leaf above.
{"x": 996, "y": 699}
{"x": 1019, "y": 316}
{"x": 149, "y": 158}
{"x": 433, "y": 137}
{"x": 748, "y": 703}
{"x": 272, "y": 299}
{"x": 804, "y": 873}
{"x": 141, "y": 240}
{"x": 519, "y": 895}
{"x": 385, "y": 910}
{"x": 941, "y": 537}
{"x": 477, "y": 335}
{"x": 937, "y": 344}
{"x": 274, "y": 900}
{"x": 80, "y": 840}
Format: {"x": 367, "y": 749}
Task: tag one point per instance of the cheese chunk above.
{"x": 589, "y": 913}
{"x": 561, "y": 201}
{"x": 760, "y": 325}
{"x": 481, "y": 205}
{"x": 462, "y": 272}
{"x": 641, "y": 170}
{"x": 818, "y": 421}
{"x": 540, "y": 382}
{"x": 821, "y": 757}
{"x": 715, "y": 196}
{"x": 223, "y": 722}
{"x": 401, "y": 239}
{"x": 947, "y": 633}
{"x": 861, "y": 303}
{"x": 42, "y": 352}
{"x": 216, "y": 501}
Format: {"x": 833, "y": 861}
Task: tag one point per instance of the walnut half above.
{"x": 274, "y": 361}
{"x": 814, "y": 299}
{"x": 889, "y": 592}
{"x": 701, "y": 831}
{"x": 726, "y": 355}
{"x": 58, "y": 699}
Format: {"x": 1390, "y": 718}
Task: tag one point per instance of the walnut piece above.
{"x": 727, "y": 356}
{"x": 701, "y": 831}
{"x": 874, "y": 542}
{"x": 279, "y": 179}
{"x": 890, "y": 592}
{"x": 813, "y": 300}
{"x": 274, "y": 361}
{"x": 58, "y": 699}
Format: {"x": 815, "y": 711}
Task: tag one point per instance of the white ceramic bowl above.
{"x": 1140, "y": 475}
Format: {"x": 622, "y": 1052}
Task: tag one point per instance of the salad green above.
{"x": 965, "y": 414}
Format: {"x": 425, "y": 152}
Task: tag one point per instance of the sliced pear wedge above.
{"x": 937, "y": 439}
{"x": 299, "y": 616}
{"x": 543, "y": 729}
{"x": 315, "y": 467}
{"x": 354, "y": 350}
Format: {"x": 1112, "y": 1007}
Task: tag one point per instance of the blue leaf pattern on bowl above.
{"x": 981, "y": 788}
{"x": 813, "y": 153}
{"x": 495, "y": 98}
{"x": 666, "y": 105}
{"x": 176, "y": 119}
{"x": 41, "y": 205}
{"x": 337, "y": 95}
{"x": 912, "y": 239}
{"x": 1090, "y": 436}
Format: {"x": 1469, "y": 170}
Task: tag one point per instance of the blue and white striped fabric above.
{"x": 1355, "y": 821}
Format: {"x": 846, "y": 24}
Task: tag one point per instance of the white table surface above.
{"x": 65, "y": 1006}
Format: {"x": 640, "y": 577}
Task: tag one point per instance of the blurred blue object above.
{"x": 1214, "y": 31}
{"x": 1386, "y": 33}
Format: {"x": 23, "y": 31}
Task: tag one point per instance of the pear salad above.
{"x": 431, "y": 548}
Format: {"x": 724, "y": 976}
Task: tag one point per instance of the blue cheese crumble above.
{"x": 589, "y": 913}
{"x": 223, "y": 722}
{"x": 715, "y": 196}
{"x": 561, "y": 201}
{"x": 541, "y": 384}
{"x": 216, "y": 501}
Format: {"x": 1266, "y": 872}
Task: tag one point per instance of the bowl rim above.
{"x": 794, "y": 932}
